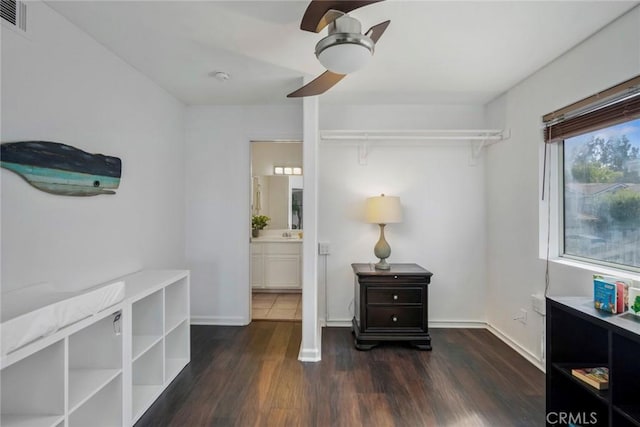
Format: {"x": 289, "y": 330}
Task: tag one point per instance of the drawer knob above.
{"x": 395, "y": 277}
{"x": 394, "y": 318}
{"x": 395, "y": 297}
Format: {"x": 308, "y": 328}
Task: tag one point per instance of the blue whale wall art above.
{"x": 62, "y": 169}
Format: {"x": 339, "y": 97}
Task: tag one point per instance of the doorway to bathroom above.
{"x": 277, "y": 203}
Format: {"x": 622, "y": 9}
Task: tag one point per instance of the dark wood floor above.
{"x": 250, "y": 376}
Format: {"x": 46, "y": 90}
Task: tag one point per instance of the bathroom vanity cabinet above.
{"x": 276, "y": 264}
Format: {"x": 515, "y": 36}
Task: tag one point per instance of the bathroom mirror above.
{"x": 280, "y": 197}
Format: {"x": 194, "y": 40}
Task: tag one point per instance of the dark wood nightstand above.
{"x": 391, "y": 305}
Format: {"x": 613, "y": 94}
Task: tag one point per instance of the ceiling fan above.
{"x": 345, "y": 49}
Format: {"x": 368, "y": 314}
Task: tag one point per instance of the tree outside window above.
{"x": 602, "y": 195}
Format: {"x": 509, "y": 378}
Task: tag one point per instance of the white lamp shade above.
{"x": 344, "y": 58}
{"x": 383, "y": 210}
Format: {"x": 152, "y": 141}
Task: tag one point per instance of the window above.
{"x": 598, "y": 157}
{"x": 601, "y": 171}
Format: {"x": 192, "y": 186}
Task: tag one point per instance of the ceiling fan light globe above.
{"x": 344, "y": 53}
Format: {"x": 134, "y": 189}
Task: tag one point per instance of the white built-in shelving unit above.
{"x": 107, "y": 369}
{"x": 160, "y": 340}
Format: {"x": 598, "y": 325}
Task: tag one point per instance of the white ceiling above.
{"x": 460, "y": 52}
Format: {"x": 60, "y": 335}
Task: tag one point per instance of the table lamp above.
{"x": 383, "y": 210}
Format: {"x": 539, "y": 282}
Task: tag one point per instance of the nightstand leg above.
{"x": 364, "y": 346}
{"x": 422, "y": 345}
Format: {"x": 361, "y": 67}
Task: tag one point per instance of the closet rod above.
{"x": 416, "y": 135}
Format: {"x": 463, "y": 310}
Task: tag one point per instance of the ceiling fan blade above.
{"x": 312, "y": 18}
{"x": 377, "y": 31}
{"x": 319, "y": 85}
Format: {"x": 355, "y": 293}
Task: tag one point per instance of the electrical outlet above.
{"x": 523, "y": 316}
{"x": 323, "y": 248}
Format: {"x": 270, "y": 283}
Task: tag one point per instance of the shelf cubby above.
{"x": 578, "y": 341}
{"x": 176, "y": 299}
{"x": 33, "y": 389}
{"x": 565, "y": 369}
{"x": 102, "y": 409}
{"x": 148, "y": 379}
{"x": 571, "y": 397}
{"x": 95, "y": 359}
{"x": 147, "y": 323}
{"x": 176, "y": 350}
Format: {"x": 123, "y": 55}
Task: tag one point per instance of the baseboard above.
{"x": 532, "y": 358}
{"x": 453, "y": 324}
{"x": 346, "y": 323}
{"x": 309, "y": 355}
{"x": 338, "y": 323}
{"x": 276, "y": 291}
{"x": 219, "y": 320}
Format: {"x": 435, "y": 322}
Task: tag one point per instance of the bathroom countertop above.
{"x": 275, "y": 239}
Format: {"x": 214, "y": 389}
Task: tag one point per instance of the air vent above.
{"x": 14, "y": 13}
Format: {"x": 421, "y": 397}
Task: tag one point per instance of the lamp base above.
{"x": 382, "y": 250}
{"x": 382, "y": 265}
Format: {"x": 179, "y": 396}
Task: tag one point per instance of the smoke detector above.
{"x": 220, "y": 75}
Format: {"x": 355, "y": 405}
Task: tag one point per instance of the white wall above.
{"x": 218, "y": 200}
{"x": 266, "y": 155}
{"x": 278, "y": 206}
{"x": 442, "y": 197}
{"x": 61, "y": 85}
{"x": 513, "y": 173}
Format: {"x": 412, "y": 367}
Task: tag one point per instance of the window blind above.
{"x": 615, "y": 105}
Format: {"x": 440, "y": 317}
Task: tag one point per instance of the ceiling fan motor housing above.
{"x": 345, "y": 49}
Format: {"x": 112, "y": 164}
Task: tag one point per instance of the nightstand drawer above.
{"x": 394, "y": 317}
{"x": 404, "y": 295}
{"x": 394, "y": 278}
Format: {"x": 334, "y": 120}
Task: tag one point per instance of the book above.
{"x": 605, "y": 296}
{"x": 596, "y": 377}
{"x": 622, "y": 295}
{"x": 622, "y": 290}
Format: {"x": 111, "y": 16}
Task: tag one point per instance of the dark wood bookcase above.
{"x": 578, "y": 336}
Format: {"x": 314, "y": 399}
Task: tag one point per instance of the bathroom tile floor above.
{"x": 272, "y": 306}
